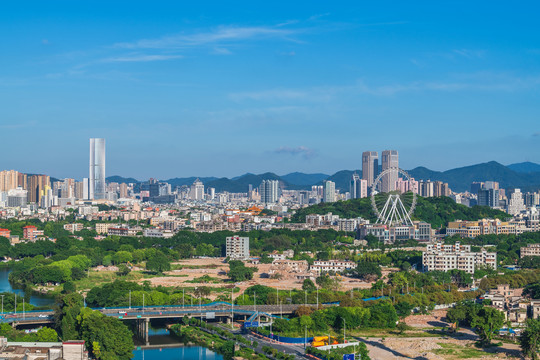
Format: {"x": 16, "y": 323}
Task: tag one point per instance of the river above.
{"x": 172, "y": 348}
{"x": 170, "y": 351}
{"x": 35, "y": 299}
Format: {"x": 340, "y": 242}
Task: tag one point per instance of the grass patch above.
{"x": 460, "y": 352}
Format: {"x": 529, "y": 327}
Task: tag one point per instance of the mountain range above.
{"x": 524, "y": 175}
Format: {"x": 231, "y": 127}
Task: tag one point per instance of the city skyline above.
{"x": 180, "y": 90}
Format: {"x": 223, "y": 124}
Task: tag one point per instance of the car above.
{"x": 43, "y": 316}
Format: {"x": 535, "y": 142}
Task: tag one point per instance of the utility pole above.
{"x": 23, "y": 315}
{"x": 130, "y": 299}
{"x": 143, "y": 303}
{"x": 183, "y": 297}
{"x": 305, "y": 339}
{"x": 3, "y": 304}
{"x": 317, "y": 298}
{"x": 15, "y": 304}
{"x": 305, "y": 297}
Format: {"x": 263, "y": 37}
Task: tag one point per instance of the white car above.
{"x": 43, "y": 316}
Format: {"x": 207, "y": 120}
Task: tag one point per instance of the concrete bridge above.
{"x": 142, "y": 315}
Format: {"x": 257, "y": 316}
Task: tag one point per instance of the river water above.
{"x": 35, "y": 299}
{"x": 172, "y": 349}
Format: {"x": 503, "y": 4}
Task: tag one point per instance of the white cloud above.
{"x": 222, "y": 34}
{"x": 142, "y": 58}
{"x": 303, "y": 151}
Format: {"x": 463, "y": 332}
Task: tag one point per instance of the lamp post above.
{"x": 15, "y": 304}
{"x": 232, "y": 308}
{"x": 143, "y": 303}
{"x": 3, "y": 304}
{"x": 130, "y": 299}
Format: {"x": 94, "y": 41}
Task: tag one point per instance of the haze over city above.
{"x": 215, "y": 90}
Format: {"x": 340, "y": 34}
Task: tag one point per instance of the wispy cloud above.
{"x": 303, "y": 151}
{"x": 222, "y": 34}
{"x": 536, "y": 134}
{"x": 467, "y": 82}
{"x": 469, "y": 53}
{"x": 142, "y": 58}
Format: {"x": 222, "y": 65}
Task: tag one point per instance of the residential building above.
{"x": 103, "y": 228}
{"x": 329, "y": 191}
{"x": 516, "y": 203}
{"x": 448, "y": 257}
{"x": 390, "y": 160}
{"x": 359, "y": 187}
{"x": 5, "y": 233}
{"x": 321, "y": 266}
{"x": 237, "y": 247}
{"x": 197, "y": 190}
{"x": 30, "y": 232}
{"x": 530, "y": 250}
{"x": 370, "y": 166}
{"x": 73, "y": 227}
{"x": 97, "y": 186}
{"x": 269, "y": 191}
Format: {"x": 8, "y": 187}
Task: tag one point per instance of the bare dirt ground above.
{"x": 436, "y": 349}
{"x": 435, "y": 319}
{"x": 216, "y": 268}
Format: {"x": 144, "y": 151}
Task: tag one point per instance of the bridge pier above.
{"x": 143, "y": 326}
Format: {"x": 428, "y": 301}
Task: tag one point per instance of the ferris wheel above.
{"x": 393, "y": 197}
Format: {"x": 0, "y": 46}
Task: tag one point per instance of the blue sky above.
{"x": 223, "y": 88}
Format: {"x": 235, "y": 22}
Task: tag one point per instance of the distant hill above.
{"x": 437, "y": 211}
{"x": 298, "y": 178}
{"x": 523, "y": 175}
{"x": 188, "y": 181}
{"x": 460, "y": 179}
{"x": 241, "y": 184}
{"x": 342, "y": 179}
{"x": 525, "y": 167}
{"x": 120, "y": 179}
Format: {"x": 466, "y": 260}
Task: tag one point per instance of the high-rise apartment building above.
{"x": 269, "y": 191}
{"x": 97, "y": 188}
{"x": 9, "y": 179}
{"x": 197, "y": 190}
{"x": 237, "y": 247}
{"x": 358, "y": 188}
{"x": 123, "y": 190}
{"x": 516, "y": 204}
{"x": 37, "y": 187}
{"x": 329, "y": 191}
{"x": 370, "y": 166}
{"x": 488, "y": 197}
{"x": 390, "y": 160}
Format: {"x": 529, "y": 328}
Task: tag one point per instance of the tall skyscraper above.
{"x": 358, "y": 188}
{"x": 390, "y": 160}
{"x": 329, "y": 191}
{"x": 370, "y": 166}
{"x": 197, "y": 190}
{"x": 269, "y": 190}
{"x": 97, "y": 189}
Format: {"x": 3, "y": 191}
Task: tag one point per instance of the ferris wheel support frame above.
{"x": 393, "y": 211}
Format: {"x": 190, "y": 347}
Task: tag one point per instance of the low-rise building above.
{"x": 73, "y": 227}
{"x": 332, "y": 265}
{"x": 449, "y": 257}
{"x": 67, "y": 350}
{"x": 103, "y": 228}
{"x": 530, "y": 250}
{"x": 5, "y": 233}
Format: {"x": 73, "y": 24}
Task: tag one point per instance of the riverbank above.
{"x": 223, "y": 342}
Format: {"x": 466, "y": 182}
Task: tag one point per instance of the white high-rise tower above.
{"x": 97, "y": 187}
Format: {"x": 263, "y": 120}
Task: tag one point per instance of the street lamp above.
{"x": 130, "y": 299}
{"x": 3, "y": 304}
{"x": 143, "y": 303}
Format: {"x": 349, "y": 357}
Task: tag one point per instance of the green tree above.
{"x": 368, "y": 271}
{"x": 238, "y": 271}
{"x": 530, "y": 339}
{"x": 308, "y": 285}
{"x": 487, "y": 322}
{"x": 47, "y": 335}
{"x": 158, "y": 262}
{"x": 114, "y": 338}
